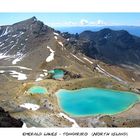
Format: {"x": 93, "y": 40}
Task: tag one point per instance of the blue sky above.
{"x": 74, "y": 19}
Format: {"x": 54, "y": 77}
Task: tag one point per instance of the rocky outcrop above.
{"x": 7, "y": 121}
{"x": 70, "y": 75}
{"x": 120, "y": 122}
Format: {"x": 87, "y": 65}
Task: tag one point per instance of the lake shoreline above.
{"x": 94, "y": 115}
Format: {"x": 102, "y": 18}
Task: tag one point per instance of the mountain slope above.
{"x": 36, "y": 47}
{"x": 21, "y": 38}
{"x": 115, "y": 47}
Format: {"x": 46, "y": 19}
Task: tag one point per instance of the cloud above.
{"x": 61, "y": 24}
{"x": 84, "y": 22}
{"x": 98, "y": 23}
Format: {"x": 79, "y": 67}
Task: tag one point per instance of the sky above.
{"x": 75, "y": 19}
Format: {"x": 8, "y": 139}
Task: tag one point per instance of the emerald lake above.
{"x": 57, "y": 73}
{"x": 37, "y": 90}
{"x": 95, "y": 101}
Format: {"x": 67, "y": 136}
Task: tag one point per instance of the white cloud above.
{"x": 98, "y": 23}
{"x": 84, "y": 22}
{"x": 59, "y": 24}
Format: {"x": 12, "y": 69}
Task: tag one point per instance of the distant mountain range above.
{"x": 115, "y": 47}
{"x": 134, "y": 30}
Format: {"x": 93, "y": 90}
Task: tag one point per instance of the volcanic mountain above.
{"x": 35, "y": 46}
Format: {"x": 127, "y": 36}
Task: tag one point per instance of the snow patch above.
{"x": 74, "y": 125}
{"x": 60, "y": 43}
{"x": 133, "y": 79}
{"x": 41, "y": 75}
{"x": 51, "y": 56}
{"x": 24, "y": 68}
{"x": 38, "y": 79}
{"x": 24, "y": 125}
{"x": 19, "y": 58}
{"x": 6, "y": 39}
{"x": 2, "y": 71}
{"x": 5, "y": 32}
{"x": 77, "y": 58}
{"x": 16, "y": 60}
{"x": 11, "y": 48}
{"x": 56, "y": 37}
{"x": 107, "y": 36}
{"x": 45, "y": 70}
{"x": 2, "y": 56}
{"x": 88, "y": 60}
{"x": 11, "y": 42}
{"x": 56, "y": 33}
{"x": 45, "y": 73}
{"x": 14, "y": 35}
{"x": 20, "y": 33}
{"x": 18, "y": 75}
{"x": 1, "y": 44}
{"x": 30, "y": 106}
{"x": 101, "y": 70}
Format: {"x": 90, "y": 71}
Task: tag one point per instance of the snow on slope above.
{"x": 2, "y": 56}
{"x": 74, "y": 125}
{"x": 56, "y": 37}
{"x": 60, "y": 43}
{"x": 18, "y": 75}
{"x": 5, "y": 32}
{"x": 42, "y": 75}
{"x": 56, "y": 34}
{"x": 38, "y": 79}
{"x": 101, "y": 70}
{"x": 16, "y": 60}
{"x": 2, "y": 71}
{"x": 77, "y": 58}
{"x": 15, "y": 71}
{"x": 51, "y": 56}
{"x": 30, "y": 106}
{"x": 88, "y": 60}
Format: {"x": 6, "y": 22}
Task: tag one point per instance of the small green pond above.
{"x": 57, "y": 73}
{"x": 37, "y": 90}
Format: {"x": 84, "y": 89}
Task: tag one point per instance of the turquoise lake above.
{"x": 57, "y": 73}
{"x": 95, "y": 101}
{"x": 37, "y": 90}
